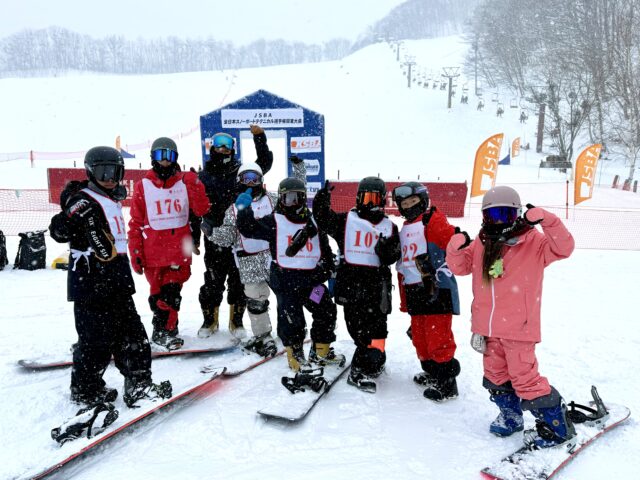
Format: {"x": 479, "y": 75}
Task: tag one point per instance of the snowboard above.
{"x": 128, "y": 418}
{"x": 294, "y": 407}
{"x": 542, "y": 464}
{"x": 189, "y": 349}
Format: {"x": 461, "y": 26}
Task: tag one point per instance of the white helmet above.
{"x": 502, "y": 196}
{"x": 250, "y": 167}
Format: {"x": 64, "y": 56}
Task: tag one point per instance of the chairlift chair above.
{"x": 494, "y": 97}
{"x": 514, "y": 103}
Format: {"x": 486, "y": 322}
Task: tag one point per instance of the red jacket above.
{"x": 159, "y": 232}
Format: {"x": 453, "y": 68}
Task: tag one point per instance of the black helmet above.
{"x": 104, "y": 164}
{"x": 292, "y": 198}
{"x": 409, "y": 189}
{"x": 164, "y": 148}
{"x": 223, "y": 163}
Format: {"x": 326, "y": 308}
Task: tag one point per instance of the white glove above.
{"x": 478, "y": 343}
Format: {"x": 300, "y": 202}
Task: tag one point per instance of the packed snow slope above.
{"x": 375, "y": 124}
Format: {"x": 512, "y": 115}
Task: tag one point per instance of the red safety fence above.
{"x": 593, "y": 228}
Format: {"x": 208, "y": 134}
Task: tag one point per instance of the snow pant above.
{"x": 432, "y": 337}
{"x": 367, "y": 326}
{"x": 291, "y": 322}
{"x": 165, "y": 285}
{"x": 111, "y": 327}
{"x": 514, "y": 361}
{"x": 258, "y": 306}
{"x": 220, "y": 267}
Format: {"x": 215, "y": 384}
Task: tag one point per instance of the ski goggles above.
{"x": 500, "y": 215}
{"x": 403, "y": 191}
{"x": 222, "y": 140}
{"x": 290, "y": 199}
{"x": 365, "y": 198}
{"x": 108, "y": 172}
{"x": 250, "y": 178}
{"x": 164, "y": 154}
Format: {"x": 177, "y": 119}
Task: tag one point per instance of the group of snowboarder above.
{"x": 257, "y": 242}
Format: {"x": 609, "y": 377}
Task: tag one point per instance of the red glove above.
{"x": 137, "y": 263}
{"x": 534, "y": 215}
{"x": 460, "y": 240}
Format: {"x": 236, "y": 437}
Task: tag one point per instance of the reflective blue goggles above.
{"x": 500, "y": 215}
{"x": 250, "y": 178}
{"x": 164, "y": 154}
{"x": 222, "y": 140}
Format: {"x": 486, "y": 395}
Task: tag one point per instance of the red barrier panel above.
{"x": 448, "y": 197}
{"x": 59, "y": 177}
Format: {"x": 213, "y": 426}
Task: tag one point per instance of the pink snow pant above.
{"x": 515, "y": 361}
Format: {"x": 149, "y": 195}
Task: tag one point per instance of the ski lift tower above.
{"x": 409, "y": 61}
{"x": 450, "y": 73}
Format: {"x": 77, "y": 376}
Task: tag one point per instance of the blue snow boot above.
{"x": 553, "y": 425}
{"x": 510, "y": 419}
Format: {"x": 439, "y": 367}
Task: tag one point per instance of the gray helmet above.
{"x": 502, "y": 196}
{"x": 164, "y": 142}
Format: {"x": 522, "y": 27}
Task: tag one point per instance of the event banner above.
{"x": 485, "y": 167}
{"x": 585, "y": 173}
{"x": 515, "y": 148}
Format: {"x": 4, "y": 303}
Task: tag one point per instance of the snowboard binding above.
{"x": 308, "y": 378}
{"x": 90, "y": 421}
{"x": 592, "y": 416}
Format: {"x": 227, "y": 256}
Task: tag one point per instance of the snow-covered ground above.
{"x": 374, "y": 125}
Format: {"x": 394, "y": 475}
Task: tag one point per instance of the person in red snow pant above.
{"x": 428, "y": 290}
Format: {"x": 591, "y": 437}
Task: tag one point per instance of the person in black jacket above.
{"x": 220, "y": 179}
{"x": 368, "y": 243}
{"x": 101, "y": 285}
{"x": 301, "y": 262}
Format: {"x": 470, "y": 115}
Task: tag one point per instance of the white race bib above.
{"x": 261, "y": 208}
{"x": 412, "y": 244}
{"x": 167, "y": 208}
{"x": 113, "y": 212}
{"x": 308, "y": 256}
{"x": 360, "y": 238}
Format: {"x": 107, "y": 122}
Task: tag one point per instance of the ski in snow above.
{"x": 76, "y": 449}
{"x": 542, "y": 464}
{"x": 43, "y": 364}
{"x": 293, "y": 407}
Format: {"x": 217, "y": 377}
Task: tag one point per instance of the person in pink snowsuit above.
{"x": 507, "y": 261}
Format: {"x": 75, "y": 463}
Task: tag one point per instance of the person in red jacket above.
{"x": 160, "y": 242}
{"x": 428, "y": 290}
{"x": 507, "y": 261}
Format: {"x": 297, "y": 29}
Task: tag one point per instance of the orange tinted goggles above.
{"x": 371, "y": 197}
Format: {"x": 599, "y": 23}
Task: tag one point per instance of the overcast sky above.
{"x": 241, "y": 21}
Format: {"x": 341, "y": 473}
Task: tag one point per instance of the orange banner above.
{"x": 585, "y": 173}
{"x": 515, "y": 147}
{"x": 118, "y": 142}
{"x": 485, "y": 167}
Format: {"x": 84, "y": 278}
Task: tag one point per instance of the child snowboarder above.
{"x": 160, "y": 241}
{"x": 368, "y": 243}
{"x": 428, "y": 290}
{"x": 301, "y": 262}
{"x": 101, "y": 286}
{"x": 253, "y": 256}
{"x": 507, "y": 261}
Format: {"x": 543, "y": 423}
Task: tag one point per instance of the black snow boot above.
{"x": 137, "y": 389}
{"x": 444, "y": 386}
{"x": 91, "y": 397}
{"x": 361, "y": 381}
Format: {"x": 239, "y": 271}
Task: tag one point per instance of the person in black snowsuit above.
{"x": 368, "y": 243}
{"x": 220, "y": 179}
{"x": 101, "y": 286}
{"x": 302, "y": 261}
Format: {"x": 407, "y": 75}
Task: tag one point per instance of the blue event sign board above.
{"x": 304, "y": 130}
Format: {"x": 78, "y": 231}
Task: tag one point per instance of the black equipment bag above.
{"x": 32, "y": 251}
{"x": 3, "y": 251}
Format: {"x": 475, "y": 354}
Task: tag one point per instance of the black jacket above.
{"x": 104, "y": 273}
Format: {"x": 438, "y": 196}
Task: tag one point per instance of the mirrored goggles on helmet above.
{"x": 250, "y": 178}
{"x": 107, "y": 172}
{"x": 494, "y": 215}
{"x": 403, "y": 191}
{"x": 222, "y": 140}
{"x": 290, "y": 199}
{"x": 365, "y": 198}
{"x": 164, "y": 154}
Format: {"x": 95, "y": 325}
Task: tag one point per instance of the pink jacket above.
{"x": 509, "y": 307}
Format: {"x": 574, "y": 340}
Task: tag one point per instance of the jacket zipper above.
{"x": 493, "y": 307}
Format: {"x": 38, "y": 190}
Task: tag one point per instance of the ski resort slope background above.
{"x": 375, "y": 124}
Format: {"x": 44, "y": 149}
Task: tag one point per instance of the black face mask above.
{"x": 501, "y": 232}
{"x": 223, "y": 163}
{"x": 412, "y": 212}
{"x": 116, "y": 194}
{"x": 164, "y": 173}
{"x": 369, "y": 213}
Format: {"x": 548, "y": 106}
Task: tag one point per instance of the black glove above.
{"x": 428, "y": 274}
{"x": 383, "y": 245}
{"x": 300, "y": 239}
{"x": 322, "y": 200}
{"x": 295, "y": 159}
{"x": 206, "y": 227}
{"x": 70, "y": 189}
{"x": 60, "y": 227}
